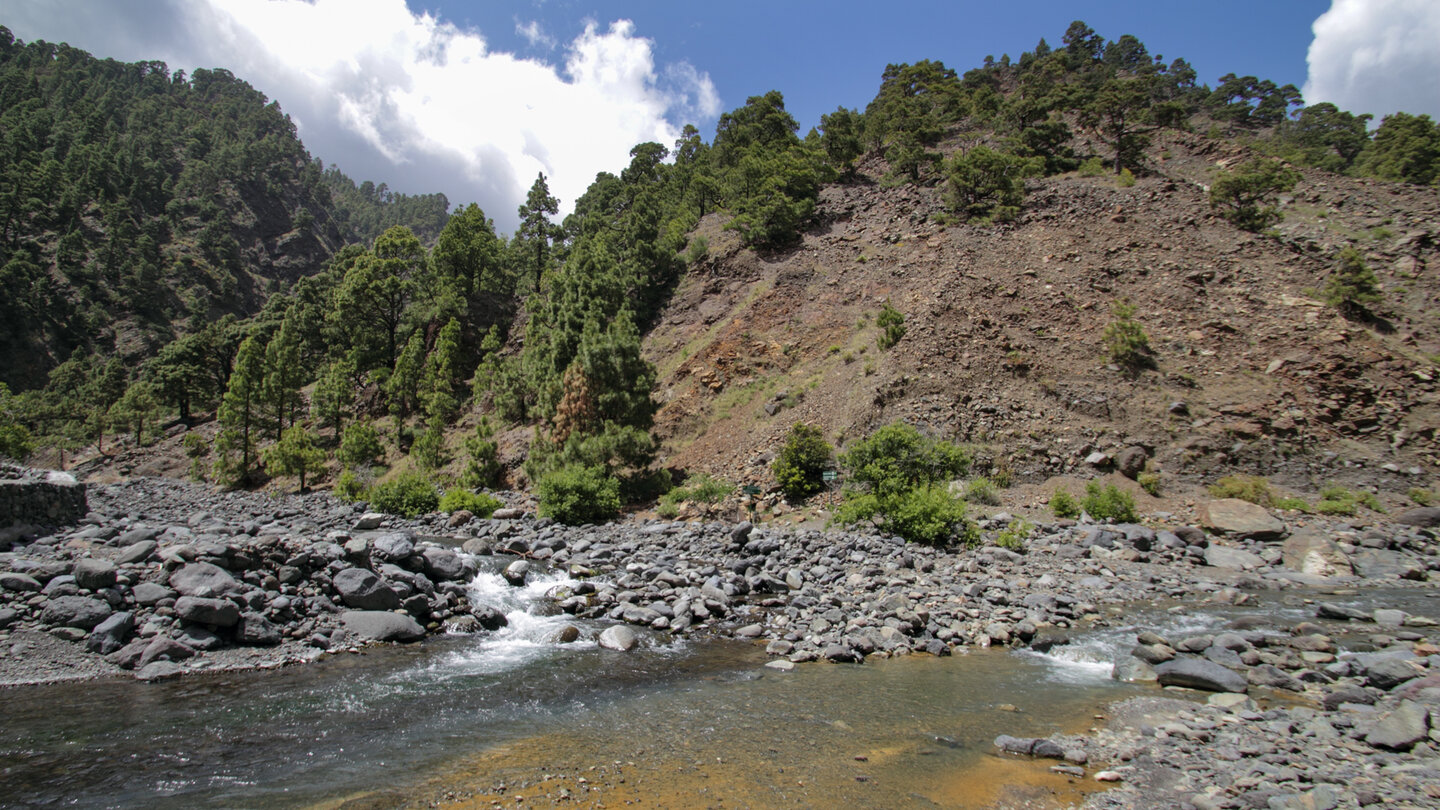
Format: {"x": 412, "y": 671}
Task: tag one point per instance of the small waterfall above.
{"x": 1091, "y": 657}
{"x": 533, "y": 627}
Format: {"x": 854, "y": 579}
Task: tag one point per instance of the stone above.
{"x": 488, "y": 617}
{"x": 255, "y": 629}
{"x": 741, "y": 533}
{"x": 1273, "y": 677}
{"x": 162, "y": 648}
{"x": 507, "y": 513}
{"x": 201, "y": 610}
{"x": 1330, "y": 610}
{"x": 1131, "y": 461}
{"x": 1015, "y": 745}
{"x": 93, "y": 575}
{"x": 136, "y": 552}
{"x": 381, "y": 625}
{"x": 443, "y": 564}
{"x": 1130, "y": 669}
{"x": 459, "y": 518}
{"x": 1235, "y": 559}
{"x": 1427, "y": 517}
{"x": 1388, "y": 673}
{"x": 1379, "y": 563}
{"x": 565, "y": 635}
{"x": 392, "y": 547}
{"x": 1198, "y": 673}
{"x": 516, "y": 572}
{"x": 619, "y": 638}
{"x": 1239, "y": 518}
{"x": 18, "y": 583}
{"x": 1389, "y": 618}
{"x": 1310, "y": 552}
{"x": 82, "y": 612}
{"x": 146, "y": 594}
{"x": 369, "y": 521}
{"x": 111, "y": 634}
{"x": 203, "y": 579}
{"x": 1401, "y": 729}
{"x": 361, "y": 589}
{"x": 780, "y": 665}
{"x": 159, "y": 671}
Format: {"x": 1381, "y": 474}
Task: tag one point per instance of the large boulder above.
{"x": 1241, "y": 519}
{"x": 257, "y": 630}
{"x": 202, "y": 610}
{"x": 443, "y": 564}
{"x": 1380, "y": 563}
{"x": 361, "y": 589}
{"x": 1232, "y": 558}
{"x": 1310, "y": 552}
{"x": 111, "y": 634}
{"x": 619, "y": 637}
{"x": 1131, "y": 461}
{"x": 203, "y": 579}
{"x": 93, "y": 575}
{"x": 1426, "y": 517}
{"x": 1198, "y": 673}
{"x": 382, "y": 625}
{"x": 1402, "y": 728}
{"x": 75, "y": 611}
{"x": 392, "y": 547}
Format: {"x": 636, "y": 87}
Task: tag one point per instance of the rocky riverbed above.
{"x": 163, "y": 578}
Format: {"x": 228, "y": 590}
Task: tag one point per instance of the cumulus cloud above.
{"x": 410, "y": 99}
{"x": 1377, "y": 56}
{"x": 535, "y": 35}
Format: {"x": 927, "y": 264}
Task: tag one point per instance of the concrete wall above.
{"x": 41, "y": 500}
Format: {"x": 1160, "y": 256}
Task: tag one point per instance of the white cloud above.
{"x": 535, "y": 35}
{"x": 1377, "y": 56}
{"x": 409, "y": 99}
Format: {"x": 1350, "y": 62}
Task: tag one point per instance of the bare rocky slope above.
{"x": 1003, "y": 347}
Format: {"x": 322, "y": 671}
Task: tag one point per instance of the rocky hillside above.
{"x": 1003, "y": 344}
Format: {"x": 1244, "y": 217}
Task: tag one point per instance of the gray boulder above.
{"x": 1388, "y": 673}
{"x": 256, "y": 630}
{"x": 1426, "y": 517}
{"x": 93, "y": 575}
{"x": 368, "y": 521}
{"x": 110, "y": 635}
{"x": 382, "y": 625}
{"x": 203, "y": 579}
{"x": 361, "y": 589}
{"x": 1241, "y": 519}
{"x": 1131, "y": 461}
{"x": 1198, "y": 673}
{"x": 1232, "y": 558}
{"x": 18, "y": 583}
{"x": 394, "y": 547}
{"x": 136, "y": 552}
{"x": 618, "y": 637}
{"x": 443, "y": 564}
{"x": 1273, "y": 677}
{"x": 149, "y": 593}
{"x": 516, "y": 572}
{"x": 1379, "y": 563}
{"x": 75, "y": 611}
{"x": 159, "y": 671}
{"x": 201, "y": 610}
{"x": 164, "y": 649}
{"x": 1402, "y": 728}
{"x": 1310, "y": 552}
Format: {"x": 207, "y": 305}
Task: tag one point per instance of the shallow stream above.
{"x": 516, "y": 714}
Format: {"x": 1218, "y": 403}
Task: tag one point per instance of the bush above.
{"x": 1293, "y": 504}
{"x": 698, "y": 488}
{"x": 577, "y": 495}
{"x": 482, "y": 468}
{"x": 982, "y": 491}
{"x": 1421, "y": 497}
{"x": 801, "y": 465}
{"x": 1109, "y": 503}
{"x": 989, "y": 185}
{"x": 1353, "y": 289}
{"x": 1063, "y": 505}
{"x": 196, "y": 449}
{"x": 479, "y": 504}
{"x": 893, "y": 325}
{"x": 1125, "y": 339}
{"x": 1252, "y": 488}
{"x": 359, "y": 445}
{"x": 897, "y": 457}
{"x": 1245, "y": 196}
{"x": 1337, "y": 500}
{"x": 349, "y": 487}
{"x": 428, "y": 450}
{"x": 408, "y": 494}
{"x": 698, "y": 250}
{"x": 927, "y": 514}
{"x": 1013, "y": 536}
{"x": 1150, "y": 482}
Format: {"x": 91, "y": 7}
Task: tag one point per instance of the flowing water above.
{"x": 672, "y": 723}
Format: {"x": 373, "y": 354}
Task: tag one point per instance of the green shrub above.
{"x": 359, "y": 445}
{"x": 982, "y": 491}
{"x": 698, "y": 250}
{"x": 479, "y": 504}
{"x": 349, "y": 487}
{"x": 482, "y": 468}
{"x": 800, "y": 467}
{"x": 926, "y": 514}
{"x": 892, "y": 324}
{"x": 1126, "y": 179}
{"x": 1063, "y": 505}
{"x": 1150, "y": 482}
{"x": 700, "y": 488}
{"x": 196, "y": 449}
{"x": 1337, "y": 500}
{"x": 1246, "y": 196}
{"x": 1421, "y": 497}
{"x": 1353, "y": 288}
{"x": 1125, "y": 339}
{"x": 1252, "y": 488}
{"x": 576, "y": 495}
{"x": 409, "y": 494}
{"x": 1093, "y": 167}
{"x": 1109, "y": 503}
{"x": 428, "y": 449}
{"x": 1013, "y": 536}
{"x": 898, "y": 457}
{"x": 1294, "y": 504}
{"x": 1001, "y": 476}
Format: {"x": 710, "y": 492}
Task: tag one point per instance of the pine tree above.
{"x": 334, "y": 395}
{"x": 1353, "y": 289}
{"x": 283, "y": 377}
{"x": 240, "y": 414}
{"x": 437, "y": 390}
{"x": 295, "y": 454}
{"x": 403, "y": 387}
{"x": 136, "y": 409}
{"x": 536, "y": 233}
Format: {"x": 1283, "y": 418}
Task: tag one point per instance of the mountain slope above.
{"x": 1004, "y": 328}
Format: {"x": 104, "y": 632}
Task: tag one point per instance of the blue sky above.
{"x": 474, "y": 98}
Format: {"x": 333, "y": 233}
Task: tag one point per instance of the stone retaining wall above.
{"x": 56, "y": 500}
